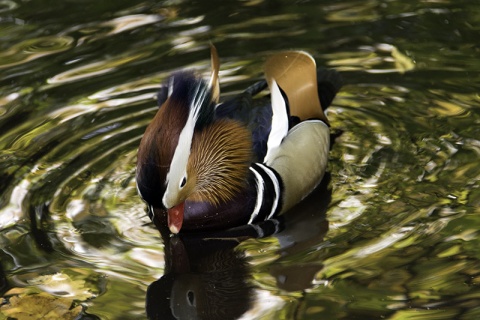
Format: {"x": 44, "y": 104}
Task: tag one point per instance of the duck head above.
{"x": 186, "y": 154}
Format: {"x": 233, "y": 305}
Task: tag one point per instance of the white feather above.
{"x": 276, "y": 186}
{"x": 258, "y": 203}
{"x": 279, "y": 120}
{"x": 178, "y": 166}
{"x": 170, "y": 86}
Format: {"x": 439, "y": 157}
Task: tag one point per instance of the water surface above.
{"x": 395, "y": 234}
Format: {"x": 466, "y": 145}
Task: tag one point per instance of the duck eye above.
{"x": 182, "y": 183}
{"x": 191, "y": 298}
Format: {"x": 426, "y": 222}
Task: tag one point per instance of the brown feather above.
{"x": 158, "y": 145}
{"x": 296, "y": 74}
{"x": 214, "y": 82}
{"x": 219, "y": 162}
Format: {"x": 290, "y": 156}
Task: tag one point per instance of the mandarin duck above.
{"x": 205, "y": 166}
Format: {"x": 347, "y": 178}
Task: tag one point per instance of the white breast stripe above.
{"x": 276, "y": 186}
{"x": 258, "y": 203}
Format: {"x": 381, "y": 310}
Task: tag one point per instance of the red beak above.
{"x": 175, "y": 218}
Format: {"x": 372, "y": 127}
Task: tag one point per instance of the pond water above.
{"x": 392, "y": 234}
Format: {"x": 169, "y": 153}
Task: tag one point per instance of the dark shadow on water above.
{"x": 208, "y": 277}
{"x": 4, "y": 286}
{"x": 39, "y": 218}
{"x": 305, "y": 227}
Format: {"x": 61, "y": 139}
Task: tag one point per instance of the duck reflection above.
{"x": 208, "y": 277}
{"x": 305, "y": 228}
{"x": 205, "y": 278}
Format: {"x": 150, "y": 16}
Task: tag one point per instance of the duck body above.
{"x": 204, "y": 165}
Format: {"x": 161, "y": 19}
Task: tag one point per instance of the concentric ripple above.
{"x": 33, "y": 49}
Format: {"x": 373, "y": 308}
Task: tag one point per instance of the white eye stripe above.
{"x": 178, "y": 166}
{"x": 197, "y": 100}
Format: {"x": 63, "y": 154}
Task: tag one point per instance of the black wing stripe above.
{"x": 269, "y": 193}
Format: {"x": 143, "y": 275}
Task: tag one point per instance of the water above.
{"x": 395, "y": 235}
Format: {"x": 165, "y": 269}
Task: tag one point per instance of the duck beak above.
{"x": 175, "y": 218}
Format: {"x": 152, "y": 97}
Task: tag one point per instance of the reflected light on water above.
{"x": 130, "y": 22}
{"x": 93, "y": 69}
{"x": 32, "y": 49}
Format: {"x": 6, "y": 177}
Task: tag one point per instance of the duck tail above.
{"x": 329, "y": 82}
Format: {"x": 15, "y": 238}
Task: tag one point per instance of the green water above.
{"x": 395, "y": 236}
